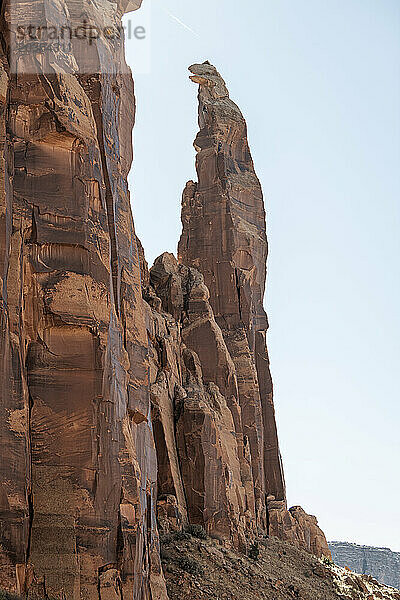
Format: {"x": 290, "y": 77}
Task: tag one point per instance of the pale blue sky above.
{"x": 319, "y": 84}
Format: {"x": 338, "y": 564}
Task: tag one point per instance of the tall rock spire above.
{"x": 224, "y": 236}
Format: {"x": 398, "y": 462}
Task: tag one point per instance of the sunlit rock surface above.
{"x": 78, "y": 462}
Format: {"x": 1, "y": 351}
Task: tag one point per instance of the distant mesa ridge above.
{"x": 381, "y": 563}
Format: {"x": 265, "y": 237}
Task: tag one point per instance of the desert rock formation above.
{"x": 125, "y": 392}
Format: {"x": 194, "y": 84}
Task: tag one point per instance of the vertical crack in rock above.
{"x": 31, "y": 508}
{"x": 238, "y": 293}
{"x": 109, "y": 203}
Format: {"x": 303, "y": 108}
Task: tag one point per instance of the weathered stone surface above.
{"x": 78, "y": 462}
{"x": 208, "y": 452}
{"x": 126, "y": 391}
{"x": 381, "y": 563}
{"x": 204, "y": 468}
{"x": 296, "y": 526}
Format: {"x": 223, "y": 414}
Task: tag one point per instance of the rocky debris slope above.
{"x": 381, "y": 563}
{"x": 202, "y": 569}
{"x": 78, "y": 465}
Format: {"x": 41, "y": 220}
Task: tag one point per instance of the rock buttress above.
{"x": 78, "y": 462}
{"x": 199, "y": 456}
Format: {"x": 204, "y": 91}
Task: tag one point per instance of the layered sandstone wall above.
{"x": 78, "y": 462}
{"x": 197, "y": 448}
{"x": 205, "y": 474}
{"x": 224, "y": 235}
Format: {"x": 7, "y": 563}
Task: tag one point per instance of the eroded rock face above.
{"x": 78, "y": 462}
{"x": 204, "y": 467}
{"x": 296, "y": 526}
{"x": 200, "y": 475}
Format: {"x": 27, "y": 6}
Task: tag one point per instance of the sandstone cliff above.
{"x": 78, "y": 462}
{"x": 117, "y": 408}
{"x": 381, "y": 563}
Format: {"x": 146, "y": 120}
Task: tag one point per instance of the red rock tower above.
{"x": 224, "y": 236}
